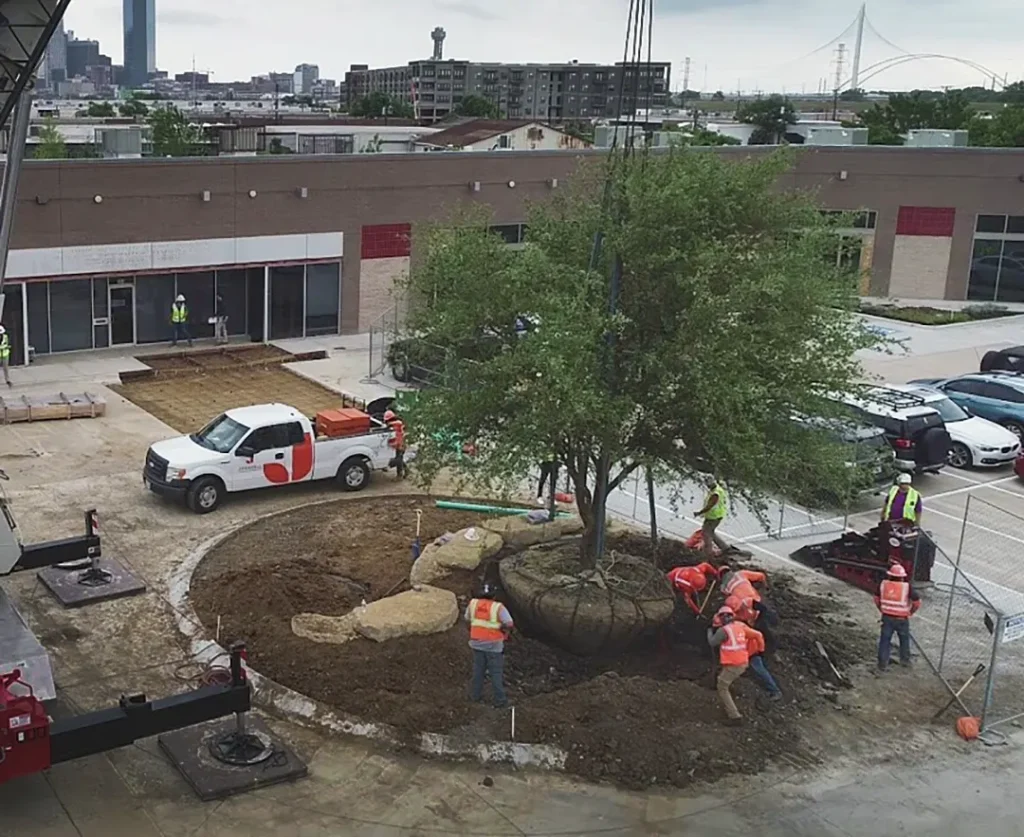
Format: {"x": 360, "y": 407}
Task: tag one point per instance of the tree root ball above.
{"x": 587, "y": 612}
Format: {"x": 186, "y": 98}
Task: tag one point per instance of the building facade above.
{"x": 546, "y": 92}
{"x": 306, "y": 245}
{"x": 139, "y": 19}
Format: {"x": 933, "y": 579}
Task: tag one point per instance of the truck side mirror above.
{"x": 245, "y": 451}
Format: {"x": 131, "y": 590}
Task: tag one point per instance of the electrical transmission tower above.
{"x": 686, "y": 75}
{"x": 840, "y": 66}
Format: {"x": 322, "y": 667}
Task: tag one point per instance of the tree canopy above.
{"x": 771, "y": 117}
{"x": 99, "y": 110}
{"x": 1003, "y": 129}
{"x": 478, "y": 106}
{"x": 903, "y": 112}
{"x": 173, "y": 135}
{"x": 732, "y": 319}
{"x": 134, "y": 107}
{"x": 378, "y": 105}
{"x": 51, "y": 145}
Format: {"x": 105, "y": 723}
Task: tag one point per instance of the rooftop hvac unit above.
{"x": 935, "y": 138}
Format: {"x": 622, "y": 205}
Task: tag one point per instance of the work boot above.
{"x": 775, "y": 697}
{"x": 905, "y": 663}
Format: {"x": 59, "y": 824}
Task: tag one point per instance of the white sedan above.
{"x": 976, "y": 441}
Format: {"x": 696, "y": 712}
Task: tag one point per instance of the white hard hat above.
{"x": 3, "y": 330}
{"x": 903, "y": 479}
{"x": 180, "y": 298}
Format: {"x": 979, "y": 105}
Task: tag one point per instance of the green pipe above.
{"x": 475, "y": 507}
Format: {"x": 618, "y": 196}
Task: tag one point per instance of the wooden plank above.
{"x": 52, "y": 407}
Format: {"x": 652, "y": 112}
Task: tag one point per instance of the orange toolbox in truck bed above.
{"x": 347, "y": 421}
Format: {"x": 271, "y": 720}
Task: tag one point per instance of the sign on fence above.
{"x": 1013, "y": 627}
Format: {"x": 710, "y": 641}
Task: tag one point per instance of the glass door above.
{"x": 122, "y": 314}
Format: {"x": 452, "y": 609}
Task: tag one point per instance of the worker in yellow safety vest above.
{"x": 903, "y": 503}
{"x": 5, "y": 354}
{"x": 179, "y": 321}
{"x": 489, "y": 626}
{"x": 715, "y": 508}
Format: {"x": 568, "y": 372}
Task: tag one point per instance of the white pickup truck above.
{"x": 259, "y": 447}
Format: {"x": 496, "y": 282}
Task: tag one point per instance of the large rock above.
{"x": 422, "y": 610}
{"x": 587, "y": 611}
{"x": 517, "y": 532}
{"x": 466, "y": 549}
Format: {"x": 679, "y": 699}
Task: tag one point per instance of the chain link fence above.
{"x": 384, "y": 332}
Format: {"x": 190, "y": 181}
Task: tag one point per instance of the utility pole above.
{"x": 858, "y": 44}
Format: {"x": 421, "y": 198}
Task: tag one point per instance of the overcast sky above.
{"x": 758, "y": 44}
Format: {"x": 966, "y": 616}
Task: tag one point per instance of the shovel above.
{"x": 824, "y": 655}
{"x": 960, "y": 691}
{"x": 416, "y": 543}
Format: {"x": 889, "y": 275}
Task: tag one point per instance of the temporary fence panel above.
{"x": 383, "y": 332}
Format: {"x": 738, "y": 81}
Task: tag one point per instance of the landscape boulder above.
{"x": 598, "y": 611}
{"x": 465, "y": 550}
{"x": 417, "y": 612}
{"x": 518, "y": 532}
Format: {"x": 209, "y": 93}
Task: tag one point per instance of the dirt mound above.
{"x": 646, "y": 717}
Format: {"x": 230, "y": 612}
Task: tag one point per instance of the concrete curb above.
{"x": 308, "y": 712}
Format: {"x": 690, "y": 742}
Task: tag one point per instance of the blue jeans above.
{"x": 181, "y": 333}
{"x": 491, "y": 664}
{"x": 761, "y": 670}
{"x": 901, "y": 627}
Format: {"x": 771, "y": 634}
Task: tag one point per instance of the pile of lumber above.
{"x": 18, "y": 408}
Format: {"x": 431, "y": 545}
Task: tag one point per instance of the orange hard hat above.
{"x": 897, "y": 571}
{"x": 698, "y": 582}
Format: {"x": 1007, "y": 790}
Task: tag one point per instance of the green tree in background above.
{"x": 478, "y": 106}
{"x": 888, "y": 123}
{"x": 51, "y": 145}
{"x": 770, "y": 116}
{"x": 134, "y": 108}
{"x": 380, "y": 105}
{"x": 100, "y": 110}
{"x": 1004, "y": 129}
{"x": 728, "y": 324}
{"x": 173, "y": 135}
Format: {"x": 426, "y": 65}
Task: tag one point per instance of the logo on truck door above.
{"x": 302, "y": 464}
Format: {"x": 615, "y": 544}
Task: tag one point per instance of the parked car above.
{"x": 1006, "y": 360}
{"x": 868, "y": 449}
{"x": 997, "y": 396}
{"x": 915, "y": 429}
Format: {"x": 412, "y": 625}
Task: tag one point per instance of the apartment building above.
{"x": 545, "y": 92}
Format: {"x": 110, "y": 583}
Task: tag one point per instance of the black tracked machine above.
{"x": 864, "y": 559}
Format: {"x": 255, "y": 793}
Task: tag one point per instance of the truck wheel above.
{"x": 354, "y": 474}
{"x": 204, "y": 495}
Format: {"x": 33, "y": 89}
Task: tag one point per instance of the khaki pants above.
{"x": 711, "y": 539}
{"x": 726, "y": 677}
{"x": 6, "y": 362}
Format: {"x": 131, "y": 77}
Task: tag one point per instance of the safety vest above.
{"x": 179, "y": 313}
{"x": 909, "y": 505}
{"x": 739, "y": 585}
{"x": 755, "y": 642}
{"x": 894, "y": 599}
{"x": 718, "y": 510}
{"x": 398, "y": 440}
{"x": 5, "y": 347}
{"x": 485, "y": 624}
{"x": 733, "y": 652}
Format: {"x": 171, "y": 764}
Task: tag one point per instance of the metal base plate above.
{"x": 189, "y": 750}
{"x": 75, "y": 588}
{"x": 19, "y": 649}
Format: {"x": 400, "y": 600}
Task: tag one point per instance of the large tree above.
{"x": 51, "y": 145}
{"x": 771, "y": 117}
{"x": 1003, "y": 129}
{"x": 381, "y": 105}
{"x": 173, "y": 134}
{"x": 477, "y": 106}
{"x": 730, "y": 321}
{"x": 887, "y": 124}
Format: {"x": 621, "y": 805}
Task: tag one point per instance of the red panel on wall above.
{"x": 386, "y": 241}
{"x": 926, "y": 220}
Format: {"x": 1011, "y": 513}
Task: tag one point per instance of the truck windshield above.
{"x": 221, "y": 434}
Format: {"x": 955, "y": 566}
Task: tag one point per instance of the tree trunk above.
{"x": 653, "y": 509}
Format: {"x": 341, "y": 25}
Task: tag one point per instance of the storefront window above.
{"x": 71, "y": 314}
{"x": 101, "y": 333}
{"x": 153, "y": 298}
{"x": 286, "y": 301}
{"x": 197, "y": 288}
{"x": 231, "y": 286}
{"x": 39, "y": 317}
{"x": 984, "y": 269}
{"x": 323, "y": 301}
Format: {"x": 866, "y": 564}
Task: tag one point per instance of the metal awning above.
{"x": 25, "y": 30}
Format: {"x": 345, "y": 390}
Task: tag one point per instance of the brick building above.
{"x": 311, "y": 245}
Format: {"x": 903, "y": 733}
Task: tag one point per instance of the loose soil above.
{"x": 187, "y": 402}
{"x": 650, "y": 716}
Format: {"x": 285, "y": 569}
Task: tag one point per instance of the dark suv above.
{"x": 916, "y": 431}
{"x": 1004, "y": 360}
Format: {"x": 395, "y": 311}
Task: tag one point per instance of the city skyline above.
{"x": 750, "y": 44}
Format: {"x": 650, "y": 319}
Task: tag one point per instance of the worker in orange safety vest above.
{"x": 745, "y": 599}
{"x": 897, "y": 601}
{"x": 688, "y": 581}
{"x": 489, "y": 626}
{"x": 397, "y": 441}
{"x": 730, "y": 637}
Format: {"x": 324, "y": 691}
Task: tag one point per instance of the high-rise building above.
{"x": 81, "y": 55}
{"x": 139, "y": 41}
{"x": 55, "y": 59}
{"x": 305, "y": 76}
